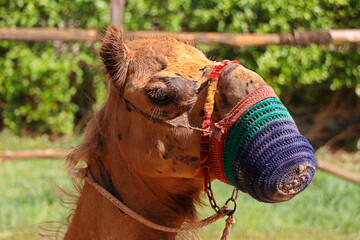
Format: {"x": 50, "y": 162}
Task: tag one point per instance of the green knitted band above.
{"x": 249, "y": 124}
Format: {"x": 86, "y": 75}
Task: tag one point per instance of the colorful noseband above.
{"x": 259, "y": 150}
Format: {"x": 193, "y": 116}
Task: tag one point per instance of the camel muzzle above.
{"x": 258, "y": 149}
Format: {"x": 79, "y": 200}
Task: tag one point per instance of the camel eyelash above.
{"x": 160, "y": 96}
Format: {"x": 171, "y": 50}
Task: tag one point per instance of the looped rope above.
{"x": 84, "y": 173}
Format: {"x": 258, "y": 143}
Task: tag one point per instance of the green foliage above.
{"x": 40, "y": 82}
{"x": 38, "y": 85}
{"x": 59, "y": 13}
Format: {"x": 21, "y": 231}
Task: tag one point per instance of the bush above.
{"x": 40, "y": 82}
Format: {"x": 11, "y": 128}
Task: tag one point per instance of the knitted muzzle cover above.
{"x": 258, "y": 149}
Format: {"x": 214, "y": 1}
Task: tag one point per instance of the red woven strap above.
{"x": 208, "y": 110}
{"x": 222, "y": 127}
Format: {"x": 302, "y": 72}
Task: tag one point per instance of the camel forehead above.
{"x": 164, "y": 57}
{"x": 168, "y": 49}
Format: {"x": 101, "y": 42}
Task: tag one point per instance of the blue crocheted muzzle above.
{"x": 259, "y": 150}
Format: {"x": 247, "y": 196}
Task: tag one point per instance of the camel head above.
{"x": 150, "y": 122}
{"x": 143, "y": 145}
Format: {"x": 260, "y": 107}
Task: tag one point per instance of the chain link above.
{"x": 224, "y": 209}
{"x": 211, "y": 197}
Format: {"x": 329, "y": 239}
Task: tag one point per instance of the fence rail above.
{"x": 32, "y": 154}
{"x": 336, "y": 37}
{"x": 62, "y": 153}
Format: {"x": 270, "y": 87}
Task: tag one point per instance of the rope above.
{"x": 84, "y": 173}
{"x": 162, "y": 121}
{"x": 226, "y": 233}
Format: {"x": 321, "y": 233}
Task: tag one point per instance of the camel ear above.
{"x": 115, "y": 55}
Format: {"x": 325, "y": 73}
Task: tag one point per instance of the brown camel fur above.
{"x": 147, "y": 164}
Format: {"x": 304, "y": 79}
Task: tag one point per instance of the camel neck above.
{"x": 158, "y": 200}
{"x": 168, "y": 201}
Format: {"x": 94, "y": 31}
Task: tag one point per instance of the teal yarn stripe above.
{"x": 249, "y": 124}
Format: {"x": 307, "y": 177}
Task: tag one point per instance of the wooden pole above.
{"x": 345, "y": 36}
{"x": 330, "y": 168}
{"x": 33, "y": 154}
{"x": 337, "y": 37}
{"x": 117, "y": 12}
{"x": 231, "y": 39}
{"x": 62, "y": 153}
{"x": 49, "y": 34}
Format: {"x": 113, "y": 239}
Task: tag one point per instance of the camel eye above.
{"x": 159, "y": 95}
{"x": 160, "y": 92}
{"x": 173, "y": 94}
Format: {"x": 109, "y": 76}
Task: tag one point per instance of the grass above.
{"x": 29, "y": 192}
{"x": 330, "y": 206}
{"x": 328, "y": 209}
{"x": 11, "y": 142}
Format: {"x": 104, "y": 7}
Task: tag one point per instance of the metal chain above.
{"x": 211, "y": 198}
{"x": 213, "y": 204}
{"x": 224, "y": 210}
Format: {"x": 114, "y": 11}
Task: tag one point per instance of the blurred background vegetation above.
{"x": 52, "y": 87}
{"x": 49, "y": 90}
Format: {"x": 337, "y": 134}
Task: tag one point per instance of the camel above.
{"x": 143, "y": 146}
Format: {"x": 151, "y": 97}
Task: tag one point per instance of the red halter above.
{"x": 208, "y": 110}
